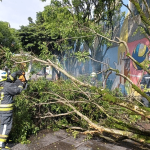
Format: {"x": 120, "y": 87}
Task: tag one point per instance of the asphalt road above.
{"x": 61, "y": 140}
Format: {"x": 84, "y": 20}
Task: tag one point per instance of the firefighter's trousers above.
{"x": 5, "y": 127}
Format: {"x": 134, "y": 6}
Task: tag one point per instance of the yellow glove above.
{"x": 22, "y": 77}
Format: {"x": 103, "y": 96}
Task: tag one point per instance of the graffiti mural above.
{"x": 138, "y": 50}
{"x": 139, "y": 54}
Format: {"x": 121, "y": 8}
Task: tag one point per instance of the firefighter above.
{"x": 145, "y": 86}
{"x": 9, "y": 86}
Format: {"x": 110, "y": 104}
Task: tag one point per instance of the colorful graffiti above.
{"x": 139, "y": 54}
{"x": 138, "y": 49}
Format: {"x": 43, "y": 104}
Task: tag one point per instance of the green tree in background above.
{"x": 8, "y": 37}
{"x": 9, "y": 43}
{"x": 65, "y": 26}
{"x": 33, "y": 36}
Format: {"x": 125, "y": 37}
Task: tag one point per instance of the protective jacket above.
{"x": 145, "y": 83}
{"x": 7, "y": 91}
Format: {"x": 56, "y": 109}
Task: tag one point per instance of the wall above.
{"x": 116, "y": 56}
{"x": 138, "y": 49}
{"x": 112, "y": 60}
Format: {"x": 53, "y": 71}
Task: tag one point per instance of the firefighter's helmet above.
{"x": 3, "y": 75}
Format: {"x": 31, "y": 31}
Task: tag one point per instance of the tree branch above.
{"x": 50, "y": 115}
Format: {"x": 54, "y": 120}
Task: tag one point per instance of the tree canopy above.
{"x": 65, "y": 26}
{"x": 8, "y": 37}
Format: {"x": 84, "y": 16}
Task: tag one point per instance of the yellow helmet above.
{"x": 3, "y": 75}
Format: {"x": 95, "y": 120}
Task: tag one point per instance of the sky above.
{"x": 125, "y": 8}
{"x": 16, "y": 12}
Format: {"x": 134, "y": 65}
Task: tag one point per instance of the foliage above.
{"x": 40, "y": 106}
{"x": 10, "y": 43}
{"x": 3, "y": 53}
{"x": 117, "y": 92}
{"x": 27, "y": 108}
{"x": 8, "y": 37}
{"x": 82, "y": 56}
{"x": 64, "y": 26}
{"x": 23, "y": 125}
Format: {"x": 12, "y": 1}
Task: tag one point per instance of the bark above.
{"x": 50, "y": 115}
{"x": 105, "y": 80}
{"x": 140, "y": 111}
{"x": 101, "y": 129}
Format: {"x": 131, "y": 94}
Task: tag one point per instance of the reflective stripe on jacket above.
{"x": 7, "y": 91}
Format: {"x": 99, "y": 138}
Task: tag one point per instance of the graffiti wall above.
{"x": 138, "y": 50}
{"x": 116, "y": 58}
{"x": 122, "y": 65}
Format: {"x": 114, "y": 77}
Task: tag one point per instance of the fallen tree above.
{"x": 73, "y": 98}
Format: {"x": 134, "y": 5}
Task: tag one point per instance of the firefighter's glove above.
{"x": 22, "y": 77}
